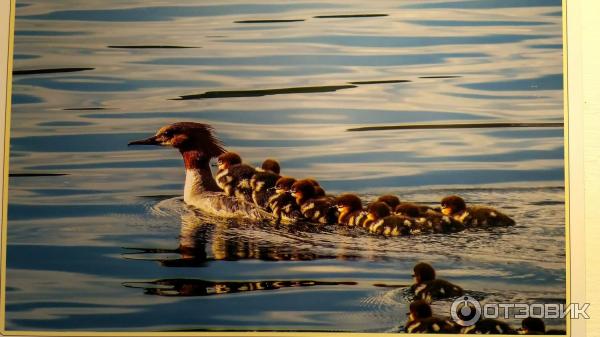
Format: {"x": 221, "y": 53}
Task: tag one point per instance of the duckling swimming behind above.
{"x": 382, "y": 221}
{"x": 429, "y": 220}
{"x": 421, "y": 320}
{"x": 474, "y": 216}
{"x": 313, "y": 208}
{"x": 282, "y": 203}
{"x": 263, "y": 183}
{"x": 350, "y": 210}
{"x": 429, "y": 288}
{"x": 234, "y": 176}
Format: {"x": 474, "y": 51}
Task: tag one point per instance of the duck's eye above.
{"x": 168, "y": 133}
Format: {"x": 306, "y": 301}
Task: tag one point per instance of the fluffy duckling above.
{"x": 427, "y": 287}
{"x": 350, "y": 210}
{"x": 282, "y": 203}
{"x": 488, "y": 326}
{"x": 421, "y": 320}
{"x": 263, "y": 182}
{"x": 429, "y": 220}
{"x": 234, "y": 177}
{"x": 391, "y": 200}
{"x": 380, "y": 220}
{"x": 313, "y": 208}
{"x": 474, "y": 216}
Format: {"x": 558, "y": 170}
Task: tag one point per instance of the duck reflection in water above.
{"x": 201, "y": 241}
{"x": 194, "y": 287}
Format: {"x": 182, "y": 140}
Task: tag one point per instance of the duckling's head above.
{"x": 319, "y": 191}
{"x": 284, "y": 184}
{"x": 533, "y": 325}
{"x": 228, "y": 159}
{"x": 407, "y": 210}
{"x": 186, "y": 136}
{"x": 303, "y": 189}
{"x": 348, "y": 203}
{"x": 271, "y": 165}
{"x": 453, "y": 204}
{"x": 423, "y": 272}
{"x": 391, "y": 200}
{"x": 378, "y": 210}
{"x": 420, "y": 309}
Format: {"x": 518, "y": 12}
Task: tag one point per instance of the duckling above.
{"x": 532, "y": 326}
{"x": 474, "y": 216}
{"x": 429, "y": 220}
{"x": 313, "y": 208}
{"x": 263, "y": 181}
{"x": 391, "y": 200}
{"x": 427, "y": 287}
{"x": 421, "y": 320}
{"x": 350, "y": 210}
{"x": 234, "y": 177}
{"x": 489, "y": 326}
{"x": 381, "y": 221}
{"x": 282, "y": 203}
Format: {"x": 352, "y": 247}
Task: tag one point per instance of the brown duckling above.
{"x": 350, "y": 210}
{"x": 313, "y": 208}
{"x": 534, "y": 326}
{"x": 429, "y": 220}
{"x": 380, "y": 220}
{"x": 489, "y": 326}
{"x": 421, "y": 320}
{"x": 234, "y": 177}
{"x": 391, "y": 200}
{"x": 282, "y": 203}
{"x": 427, "y": 287}
{"x": 474, "y": 216}
{"x": 263, "y": 182}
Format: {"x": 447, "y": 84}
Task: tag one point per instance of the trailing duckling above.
{"x": 474, "y": 216}
{"x": 429, "y": 220}
{"x": 313, "y": 208}
{"x": 382, "y": 221}
{"x": 428, "y": 287}
{"x": 263, "y": 183}
{"x": 421, "y": 320}
{"x": 234, "y": 177}
{"x": 350, "y": 210}
{"x": 391, "y": 200}
{"x": 282, "y": 203}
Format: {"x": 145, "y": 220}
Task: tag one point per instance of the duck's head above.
{"x": 348, "y": 203}
{"x": 284, "y": 184}
{"x": 186, "y": 136}
{"x": 228, "y": 159}
{"x": 533, "y": 325}
{"x": 391, "y": 200}
{"x": 453, "y": 204}
{"x": 378, "y": 210}
{"x": 419, "y": 309}
{"x": 407, "y": 210}
{"x": 423, "y": 272}
{"x": 303, "y": 189}
{"x": 271, "y": 165}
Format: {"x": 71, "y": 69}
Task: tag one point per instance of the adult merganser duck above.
{"x": 382, "y": 221}
{"x": 429, "y": 288}
{"x": 474, "y": 216}
{"x": 234, "y": 177}
{"x": 313, "y": 208}
{"x": 421, "y": 320}
{"x": 429, "y": 220}
{"x": 282, "y": 203}
{"x": 350, "y": 210}
{"x": 198, "y": 145}
{"x": 263, "y": 182}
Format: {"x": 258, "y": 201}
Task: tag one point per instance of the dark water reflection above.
{"x": 90, "y": 218}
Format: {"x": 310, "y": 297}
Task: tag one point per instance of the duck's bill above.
{"x": 148, "y": 141}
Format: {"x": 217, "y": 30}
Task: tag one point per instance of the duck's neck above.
{"x": 198, "y": 176}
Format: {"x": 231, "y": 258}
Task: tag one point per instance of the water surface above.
{"x": 100, "y": 240}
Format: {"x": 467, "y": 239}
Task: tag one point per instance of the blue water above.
{"x": 98, "y": 236}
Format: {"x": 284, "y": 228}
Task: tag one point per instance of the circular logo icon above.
{"x": 465, "y": 310}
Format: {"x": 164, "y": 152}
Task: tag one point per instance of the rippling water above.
{"x": 99, "y": 239}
